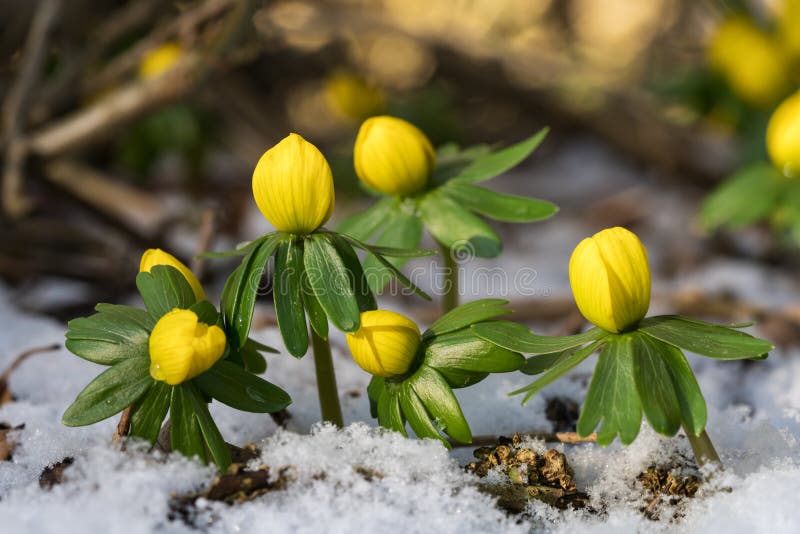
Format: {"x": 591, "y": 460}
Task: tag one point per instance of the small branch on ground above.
{"x": 5, "y": 392}
{"x": 570, "y": 438}
{"x": 124, "y": 425}
{"x": 208, "y": 227}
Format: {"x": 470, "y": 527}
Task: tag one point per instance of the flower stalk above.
{"x": 451, "y": 276}
{"x": 326, "y": 381}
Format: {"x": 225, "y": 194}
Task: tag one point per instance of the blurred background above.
{"x": 136, "y": 124}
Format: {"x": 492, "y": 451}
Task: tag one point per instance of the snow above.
{"x": 754, "y": 421}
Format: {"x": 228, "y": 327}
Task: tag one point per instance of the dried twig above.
{"x": 208, "y": 225}
{"x": 5, "y": 393}
{"x": 15, "y": 107}
{"x": 124, "y": 425}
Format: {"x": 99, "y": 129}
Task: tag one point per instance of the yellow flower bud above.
{"x": 385, "y": 344}
{"x": 181, "y": 347}
{"x": 393, "y": 156}
{"x": 610, "y": 279}
{"x": 159, "y": 60}
{"x": 156, "y": 256}
{"x": 293, "y": 186}
{"x": 783, "y": 136}
{"x": 352, "y": 97}
{"x": 751, "y": 61}
{"x": 789, "y": 27}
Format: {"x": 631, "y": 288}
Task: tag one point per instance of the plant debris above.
{"x": 546, "y": 477}
{"x": 54, "y": 474}
{"x": 661, "y": 481}
{"x": 6, "y": 444}
{"x": 236, "y": 486}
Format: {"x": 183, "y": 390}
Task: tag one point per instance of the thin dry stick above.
{"x": 208, "y": 226}
{"x": 571, "y": 438}
{"x": 15, "y": 107}
{"x": 5, "y": 393}
{"x": 124, "y": 425}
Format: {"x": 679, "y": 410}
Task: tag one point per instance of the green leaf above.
{"x": 257, "y": 345}
{"x": 464, "y": 351}
{"x": 358, "y": 280}
{"x": 114, "y": 334}
{"x": 316, "y": 315}
{"x": 240, "y": 389}
{"x": 703, "y": 338}
{"x": 508, "y": 208}
{"x": 329, "y": 279}
{"x": 468, "y": 314}
{"x": 458, "y": 378}
{"x": 402, "y": 230}
{"x": 241, "y": 289}
{"x": 206, "y": 312}
{"x": 401, "y": 278}
{"x": 612, "y": 395}
{"x": 456, "y": 227}
{"x": 416, "y": 414}
{"x": 150, "y": 411}
{"x": 287, "y": 293}
{"x": 163, "y": 289}
{"x": 745, "y": 198}
{"x": 516, "y": 337}
{"x": 655, "y": 386}
{"x": 536, "y": 365}
{"x": 374, "y": 391}
{"x": 208, "y": 428}
{"x": 241, "y": 250}
{"x": 496, "y": 163}
{"x": 110, "y": 392}
{"x": 185, "y": 434}
{"x": 252, "y": 360}
{"x": 389, "y": 414}
{"x": 438, "y": 399}
{"x": 364, "y": 224}
{"x": 556, "y": 371}
{"x": 692, "y": 403}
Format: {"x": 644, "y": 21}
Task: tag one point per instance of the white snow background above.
{"x": 754, "y": 421}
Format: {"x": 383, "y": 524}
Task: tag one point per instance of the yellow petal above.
{"x": 751, "y": 60}
{"x": 393, "y": 156}
{"x": 181, "y": 347}
{"x": 293, "y": 186}
{"x": 156, "y": 256}
{"x": 160, "y": 60}
{"x": 385, "y": 344}
{"x": 610, "y": 279}
{"x": 783, "y": 136}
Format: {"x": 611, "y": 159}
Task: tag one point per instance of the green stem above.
{"x": 326, "y": 381}
{"x": 703, "y": 449}
{"x": 450, "y": 295}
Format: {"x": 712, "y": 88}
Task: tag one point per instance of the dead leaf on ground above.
{"x": 6, "y": 444}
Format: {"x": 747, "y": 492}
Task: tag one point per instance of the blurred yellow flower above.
{"x": 293, "y": 186}
{"x": 352, "y": 97}
{"x": 751, "y": 61}
{"x": 159, "y": 60}
{"x": 610, "y": 279}
{"x": 789, "y": 27}
{"x": 181, "y": 347}
{"x": 783, "y": 136}
{"x": 385, "y": 344}
{"x": 156, "y": 256}
{"x": 393, "y": 156}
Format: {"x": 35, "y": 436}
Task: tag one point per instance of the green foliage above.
{"x": 163, "y": 289}
{"x": 240, "y": 389}
{"x": 114, "y": 334}
{"x": 448, "y": 208}
{"x": 287, "y": 288}
{"x": 450, "y": 356}
{"x": 517, "y": 337}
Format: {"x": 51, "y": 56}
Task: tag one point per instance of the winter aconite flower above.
{"x": 293, "y": 186}
{"x": 181, "y": 347}
{"x": 783, "y": 136}
{"x": 156, "y": 256}
{"x": 751, "y": 61}
{"x": 610, "y": 279}
{"x": 385, "y": 344}
{"x": 393, "y": 156}
{"x": 160, "y": 60}
{"x": 352, "y": 97}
